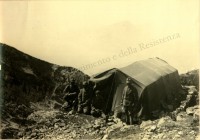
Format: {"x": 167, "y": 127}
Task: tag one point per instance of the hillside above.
{"x": 26, "y": 79}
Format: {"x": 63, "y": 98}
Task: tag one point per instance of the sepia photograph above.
{"x": 109, "y": 69}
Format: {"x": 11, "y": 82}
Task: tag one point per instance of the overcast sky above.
{"x": 78, "y": 33}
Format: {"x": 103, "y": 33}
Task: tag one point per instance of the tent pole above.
{"x": 110, "y": 92}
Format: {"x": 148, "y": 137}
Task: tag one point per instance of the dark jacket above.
{"x": 71, "y": 93}
{"x": 129, "y": 96}
{"x": 72, "y": 90}
{"x": 84, "y": 97}
{"x": 98, "y": 102}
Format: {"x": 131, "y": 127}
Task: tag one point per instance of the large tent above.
{"x": 156, "y": 81}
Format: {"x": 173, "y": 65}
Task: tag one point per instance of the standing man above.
{"x": 84, "y": 99}
{"x": 71, "y": 95}
{"x": 129, "y": 100}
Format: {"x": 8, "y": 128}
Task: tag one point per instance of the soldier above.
{"x": 129, "y": 100}
{"x": 84, "y": 99}
{"x": 71, "y": 95}
{"x": 97, "y": 105}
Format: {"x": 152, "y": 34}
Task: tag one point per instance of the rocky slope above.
{"x": 25, "y": 79}
{"x": 190, "y": 78}
{"x": 45, "y": 123}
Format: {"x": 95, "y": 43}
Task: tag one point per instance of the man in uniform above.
{"x": 129, "y": 100}
{"x": 84, "y": 99}
{"x": 71, "y": 95}
{"x": 97, "y": 104}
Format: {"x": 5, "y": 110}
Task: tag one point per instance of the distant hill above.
{"x": 27, "y": 79}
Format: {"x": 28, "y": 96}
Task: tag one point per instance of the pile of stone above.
{"x": 192, "y": 97}
{"x": 14, "y": 110}
{"x": 156, "y": 129}
{"x": 60, "y": 125}
{"x": 166, "y": 128}
{"x": 190, "y": 104}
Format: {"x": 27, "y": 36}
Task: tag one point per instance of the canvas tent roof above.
{"x": 148, "y": 71}
{"x": 155, "y": 80}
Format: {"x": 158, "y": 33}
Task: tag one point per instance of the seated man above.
{"x": 71, "y": 95}
{"x": 97, "y": 105}
{"x": 84, "y": 99}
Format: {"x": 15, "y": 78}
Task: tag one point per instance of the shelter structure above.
{"x": 157, "y": 83}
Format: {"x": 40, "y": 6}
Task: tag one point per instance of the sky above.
{"x": 91, "y": 33}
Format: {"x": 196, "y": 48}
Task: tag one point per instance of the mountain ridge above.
{"x": 28, "y": 79}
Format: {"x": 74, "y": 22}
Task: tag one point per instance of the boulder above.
{"x": 56, "y": 125}
{"x": 111, "y": 130}
{"x": 33, "y": 135}
{"x": 166, "y": 122}
{"x": 177, "y": 136}
{"x": 98, "y": 121}
{"x": 191, "y": 110}
{"x": 152, "y": 128}
{"x": 146, "y": 124}
{"x": 105, "y": 137}
{"x": 20, "y": 134}
{"x": 196, "y": 115}
{"x": 180, "y": 133}
{"x": 71, "y": 112}
{"x": 127, "y": 128}
{"x": 116, "y": 120}
{"x": 67, "y": 131}
{"x": 192, "y": 90}
{"x": 110, "y": 123}
{"x": 185, "y": 119}
{"x": 62, "y": 124}
{"x": 160, "y": 136}
{"x": 88, "y": 126}
{"x": 97, "y": 126}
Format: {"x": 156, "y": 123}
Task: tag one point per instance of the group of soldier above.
{"x": 89, "y": 100}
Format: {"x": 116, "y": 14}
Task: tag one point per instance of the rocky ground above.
{"x": 39, "y": 121}
{"x": 31, "y": 98}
